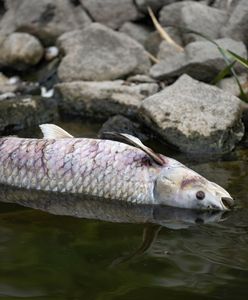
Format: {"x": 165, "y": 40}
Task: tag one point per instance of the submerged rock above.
{"x": 190, "y": 15}
{"x": 111, "y": 13}
{"x": 46, "y": 19}
{"x": 103, "y": 99}
{"x": 195, "y": 117}
{"x": 22, "y": 112}
{"x": 20, "y": 50}
{"x": 99, "y": 53}
{"x": 201, "y": 60}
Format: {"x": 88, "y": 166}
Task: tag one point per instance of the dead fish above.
{"x": 105, "y": 169}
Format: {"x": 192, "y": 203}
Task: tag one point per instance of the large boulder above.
{"x": 102, "y": 99}
{"x": 98, "y": 53}
{"x": 237, "y": 25}
{"x": 111, "y": 13}
{"x": 201, "y": 60}
{"x": 195, "y": 117}
{"x": 25, "y": 111}
{"x": 46, "y": 19}
{"x": 193, "y": 16}
{"x": 20, "y": 50}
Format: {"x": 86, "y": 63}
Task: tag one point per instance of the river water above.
{"x": 96, "y": 251}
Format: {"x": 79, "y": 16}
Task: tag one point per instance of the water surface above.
{"x": 133, "y": 254}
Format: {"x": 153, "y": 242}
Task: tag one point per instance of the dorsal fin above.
{"x": 134, "y": 141}
{"x": 51, "y": 131}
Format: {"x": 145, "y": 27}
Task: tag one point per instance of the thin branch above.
{"x": 152, "y": 57}
{"x": 162, "y": 32}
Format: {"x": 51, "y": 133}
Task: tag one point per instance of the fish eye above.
{"x": 200, "y": 195}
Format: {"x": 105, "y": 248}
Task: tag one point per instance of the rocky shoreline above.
{"x": 105, "y": 60}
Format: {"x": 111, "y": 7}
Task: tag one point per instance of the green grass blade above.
{"x": 223, "y": 73}
{"x": 229, "y": 62}
{"x": 238, "y": 58}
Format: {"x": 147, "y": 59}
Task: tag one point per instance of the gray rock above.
{"x": 102, "y": 99}
{"x": 111, "y": 13}
{"x": 154, "y": 40}
{"x": 230, "y": 85}
{"x": 237, "y": 25}
{"x": 154, "y": 4}
{"x": 99, "y": 53}
{"x": 20, "y": 50}
{"x": 136, "y": 31}
{"x": 9, "y": 87}
{"x": 141, "y": 79}
{"x": 7, "y": 95}
{"x": 166, "y": 51}
{"x": 245, "y": 121}
{"x": 201, "y": 60}
{"x": 195, "y": 117}
{"x": 228, "y": 5}
{"x": 22, "y": 112}
{"x": 190, "y": 15}
{"x": 122, "y": 124}
{"x": 46, "y": 19}
{"x": 6, "y": 86}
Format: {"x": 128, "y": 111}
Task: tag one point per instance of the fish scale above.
{"x": 104, "y": 168}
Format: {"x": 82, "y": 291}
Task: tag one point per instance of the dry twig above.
{"x": 162, "y": 32}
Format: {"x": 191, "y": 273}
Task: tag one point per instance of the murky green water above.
{"x": 47, "y": 256}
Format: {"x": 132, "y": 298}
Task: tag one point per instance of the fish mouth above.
{"x": 227, "y": 202}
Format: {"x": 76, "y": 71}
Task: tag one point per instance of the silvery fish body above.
{"x": 103, "y": 168}
{"x": 106, "y": 169}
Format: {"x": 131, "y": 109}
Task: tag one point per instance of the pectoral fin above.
{"x": 51, "y": 131}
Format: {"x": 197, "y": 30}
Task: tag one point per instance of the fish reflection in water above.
{"x": 154, "y": 217}
{"x": 111, "y": 211}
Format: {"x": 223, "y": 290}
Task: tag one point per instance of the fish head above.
{"x": 179, "y": 186}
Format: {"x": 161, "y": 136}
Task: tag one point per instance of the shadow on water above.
{"x": 57, "y": 246}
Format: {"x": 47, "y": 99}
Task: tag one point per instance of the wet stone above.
{"x": 22, "y": 112}
{"x": 103, "y": 99}
{"x": 195, "y": 117}
{"x": 121, "y": 124}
